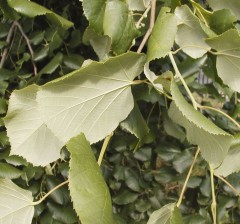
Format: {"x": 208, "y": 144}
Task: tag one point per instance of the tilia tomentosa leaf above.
{"x": 213, "y": 141}
{"x": 93, "y": 99}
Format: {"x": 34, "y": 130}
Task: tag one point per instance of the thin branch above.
{"x": 17, "y": 24}
{"x": 214, "y": 202}
{"x": 187, "y": 178}
{"x": 228, "y": 184}
{"x": 151, "y": 25}
{"x": 178, "y": 74}
{"x": 8, "y": 40}
{"x": 50, "y": 192}
{"x": 144, "y": 15}
{"x": 104, "y": 147}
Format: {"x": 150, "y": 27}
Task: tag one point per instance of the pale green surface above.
{"x": 15, "y": 204}
{"x": 213, "y": 141}
{"x": 228, "y": 57}
{"x": 168, "y": 214}
{"x": 163, "y": 35}
{"x": 233, "y": 5}
{"x": 190, "y": 35}
{"x": 28, "y": 135}
{"x": 32, "y": 9}
{"x": 119, "y": 25}
{"x": 88, "y": 190}
{"x": 92, "y": 100}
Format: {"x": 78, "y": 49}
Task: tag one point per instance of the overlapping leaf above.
{"x": 231, "y": 162}
{"x": 190, "y": 35}
{"x": 32, "y": 9}
{"x": 233, "y": 5}
{"x": 29, "y": 136}
{"x": 16, "y": 204}
{"x": 227, "y": 46}
{"x": 119, "y": 25}
{"x": 89, "y": 192}
{"x": 213, "y": 141}
{"x": 92, "y": 100}
{"x": 168, "y": 214}
{"x": 163, "y": 35}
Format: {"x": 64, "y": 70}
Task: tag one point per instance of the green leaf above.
{"x": 52, "y": 65}
{"x": 190, "y": 35}
{"x": 94, "y": 11}
{"x": 29, "y": 136}
{"x": 227, "y": 46}
{"x": 125, "y": 197}
{"x": 3, "y": 106}
{"x": 7, "y": 11}
{"x": 73, "y": 61}
{"x": 163, "y": 35}
{"x": 231, "y": 162}
{"x": 233, "y": 5}
{"x": 136, "y": 5}
{"x": 9, "y": 171}
{"x": 213, "y": 141}
{"x": 32, "y": 9}
{"x": 135, "y": 123}
{"x": 168, "y": 214}
{"x": 90, "y": 100}
{"x": 16, "y": 204}
{"x": 118, "y": 20}
{"x": 89, "y": 192}
{"x": 63, "y": 214}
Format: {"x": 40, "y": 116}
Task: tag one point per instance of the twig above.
{"x": 8, "y": 40}
{"x": 151, "y": 25}
{"x": 214, "y": 202}
{"x": 50, "y": 192}
{"x": 144, "y": 15}
{"x": 104, "y": 147}
{"x": 228, "y": 184}
{"x": 17, "y": 24}
{"x": 187, "y": 178}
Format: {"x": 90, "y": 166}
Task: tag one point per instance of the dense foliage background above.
{"x": 142, "y": 175}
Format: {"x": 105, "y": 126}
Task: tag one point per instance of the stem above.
{"x": 151, "y": 25}
{"x": 221, "y": 112}
{"x": 144, "y": 15}
{"x": 8, "y": 40}
{"x": 178, "y": 74}
{"x": 229, "y": 185}
{"x": 187, "y": 178}
{"x": 104, "y": 147}
{"x": 50, "y": 192}
{"x": 214, "y": 203}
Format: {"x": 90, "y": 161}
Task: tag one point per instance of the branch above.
{"x": 151, "y": 25}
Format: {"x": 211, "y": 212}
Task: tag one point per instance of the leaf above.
{"x": 32, "y": 9}
{"x": 118, "y": 20}
{"x": 227, "y": 46}
{"x": 7, "y": 11}
{"x": 163, "y": 35}
{"x": 233, "y": 5}
{"x": 168, "y": 214}
{"x": 88, "y": 190}
{"x": 29, "y": 136}
{"x": 135, "y": 123}
{"x": 94, "y": 11}
{"x": 73, "y": 61}
{"x": 91, "y": 99}
{"x": 230, "y": 163}
{"x": 15, "y": 203}
{"x": 136, "y": 5}
{"x": 213, "y": 141}
{"x": 52, "y": 65}
{"x": 9, "y": 171}
{"x": 190, "y": 35}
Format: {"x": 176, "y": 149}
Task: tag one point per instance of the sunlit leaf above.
{"x": 213, "y": 141}
{"x": 32, "y": 9}
{"x": 190, "y": 35}
{"x": 91, "y": 99}
{"x": 29, "y": 136}
{"x": 15, "y": 204}
{"x": 163, "y": 35}
{"x": 168, "y": 214}
{"x": 227, "y": 46}
{"x": 88, "y": 190}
